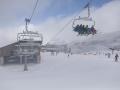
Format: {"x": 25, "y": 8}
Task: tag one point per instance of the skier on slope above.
{"x": 116, "y": 57}
{"x": 109, "y": 55}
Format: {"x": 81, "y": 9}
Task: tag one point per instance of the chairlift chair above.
{"x": 84, "y": 29}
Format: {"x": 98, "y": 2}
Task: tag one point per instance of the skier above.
{"x": 116, "y": 57}
{"x": 109, "y": 55}
{"x": 69, "y": 52}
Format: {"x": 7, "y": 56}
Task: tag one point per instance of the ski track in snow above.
{"x": 76, "y": 72}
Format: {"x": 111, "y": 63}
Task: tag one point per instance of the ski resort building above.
{"x": 10, "y": 54}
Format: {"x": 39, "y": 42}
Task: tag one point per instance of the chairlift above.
{"x": 84, "y": 29}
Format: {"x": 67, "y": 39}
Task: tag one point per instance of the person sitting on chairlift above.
{"x": 76, "y": 28}
{"x": 80, "y": 29}
{"x": 86, "y": 29}
{"x": 83, "y": 29}
{"x": 93, "y": 30}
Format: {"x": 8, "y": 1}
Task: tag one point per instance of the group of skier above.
{"x": 116, "y": 56}
{"x": 84, "y": 29}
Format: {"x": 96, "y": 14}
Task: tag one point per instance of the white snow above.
{"x": 76, "y": 72}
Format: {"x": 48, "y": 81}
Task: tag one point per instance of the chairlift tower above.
{"x": 29, "y": 44}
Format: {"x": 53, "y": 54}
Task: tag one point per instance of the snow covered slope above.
{"x": 77, "y": 72}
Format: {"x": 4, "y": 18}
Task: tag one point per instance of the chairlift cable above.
{"x": 63, "y": 28}
{"x": 28, "y": 20}
{"x": 34, "y": 10}
{"x": 60, "y": 31}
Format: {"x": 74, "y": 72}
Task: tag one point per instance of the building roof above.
{"x": 6, "y": 50}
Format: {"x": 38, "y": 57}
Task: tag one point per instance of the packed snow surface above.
{"x": 76, "y": 72}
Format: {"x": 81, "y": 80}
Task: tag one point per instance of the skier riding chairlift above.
{"x": 84, "y": 29}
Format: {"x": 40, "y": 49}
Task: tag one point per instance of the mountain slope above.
{"x": 98, "y": 42}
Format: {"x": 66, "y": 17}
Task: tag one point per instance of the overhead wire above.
{"x": 34, "y": 10}
{"x": 61, "y": 30}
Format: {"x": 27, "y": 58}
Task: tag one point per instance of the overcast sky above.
{"x": 14, "y": 11}
{"x": 51, "y": 15}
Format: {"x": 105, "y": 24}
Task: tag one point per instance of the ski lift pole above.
{"x": 26, "y": 22}
{"x": 88, "y": 9}
{"x": 25, "y": 64}
{"x": 25, "y": 59}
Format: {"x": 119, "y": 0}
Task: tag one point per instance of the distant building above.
{"x": 9, "y": 55}
{"x": 55, "y": 48}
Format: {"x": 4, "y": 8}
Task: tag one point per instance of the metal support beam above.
{"x": 25, "y": 64}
